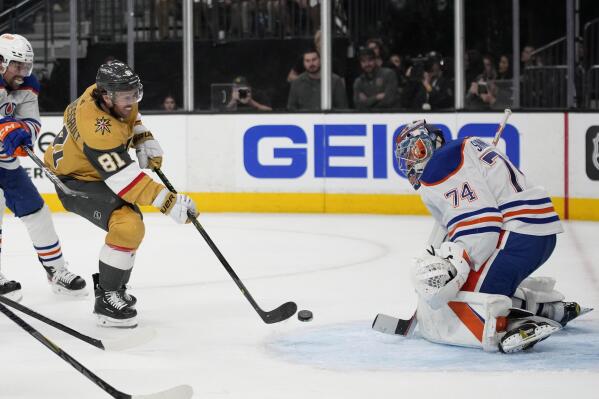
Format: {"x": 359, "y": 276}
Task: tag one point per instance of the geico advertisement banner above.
{"x": 330, "y": 153}
{"x": 336, "y": 153}
{"x": 583, "y": 154}
{"x": 171, "y": 134}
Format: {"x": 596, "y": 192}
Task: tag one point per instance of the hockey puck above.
{"x": 304, "y": 315}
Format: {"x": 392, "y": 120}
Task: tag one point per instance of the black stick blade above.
{"x": 281, "y": 313}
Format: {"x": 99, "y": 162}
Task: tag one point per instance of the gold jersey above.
{"x": 93, "y": 146}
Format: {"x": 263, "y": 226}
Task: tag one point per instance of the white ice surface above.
{"x": 345, "y": 268}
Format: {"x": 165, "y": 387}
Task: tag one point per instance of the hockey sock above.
{"x": 550, "y": 310}
{"x": 127, "y": 276}
{"x": 43, "y": 236}
{"x": 115, "y": 266}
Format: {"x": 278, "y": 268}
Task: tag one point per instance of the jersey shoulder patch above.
{"x": 445, "y": 161}
{"x": 30, "y": 83}
{"x": 100, "y": 130}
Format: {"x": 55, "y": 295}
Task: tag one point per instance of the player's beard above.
{"x": 16, "y": 82}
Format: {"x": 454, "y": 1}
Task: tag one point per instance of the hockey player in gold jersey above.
{"x": 90, "y": 154}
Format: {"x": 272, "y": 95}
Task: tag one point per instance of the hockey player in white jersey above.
{"x": 19, "y": 126}
{"x": 499, "y": 228}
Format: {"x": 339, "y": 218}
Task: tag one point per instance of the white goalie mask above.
{"x": 414, "y": 147}
{"x": 17, "y": 50}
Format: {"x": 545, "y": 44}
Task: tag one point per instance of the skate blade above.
{"x": 584, "y": 310}
{"x": 516, "y": 345}
{"x": 109, "y": 322}
{"x": 58, "y": 290}
{"x": 15, "y": 296}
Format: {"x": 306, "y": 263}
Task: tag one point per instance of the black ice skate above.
{"x": 64, "y": 282}
{"x": 10, "y": 289}
{"x": 572, "y": 310}
{"x": 526, "y": 335}
{"x": 112, "y": 310}
{"x": 130, "y": 299}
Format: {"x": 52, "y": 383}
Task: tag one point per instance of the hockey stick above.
{"x": 53, "y": 177}
{"x": 281, "y": 313}
{"x": 506, "y": 114}
{"x": 178, "y": 392}
{"x": 393, "y": 325}
{"x": 138, "y": 337}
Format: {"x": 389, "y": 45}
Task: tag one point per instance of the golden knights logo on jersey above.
{"x": 102, "y": 125}
{"x": 592, "y": 153}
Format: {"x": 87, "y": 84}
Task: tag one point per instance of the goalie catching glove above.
{"x": 14, "y": 134}
{"x": 177, "y": 206}
{"x": 439, "y": 276}
{"x": 149, "y": 153}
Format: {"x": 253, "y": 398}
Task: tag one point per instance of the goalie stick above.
{"x": 281, "y": 313}
{"x": 392, "y": 325}
{"x": 406, "y": 327}
{"x": 178, "y": 392}
{"x": 135, "y": 338}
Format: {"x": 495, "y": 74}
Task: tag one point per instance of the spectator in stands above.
{"x": 169, "y": 104}
{"x": 489, "y": 71}
{"x": 376, "y": 87}
{"x": 473, "y": 64}
{"x": 376, "y": 45}
{"x": 437, "y": 86}
{"x": 244, "y": 98}
{"x": 482, "y": 93}
{"x": 304, "y": 94}
{"x": 504, "y": 68}
{"x": 528, "y": 58}
{"x": 396, "y": 64}
{"x": 504, "y": 87}
{"x": 298, "y": 68}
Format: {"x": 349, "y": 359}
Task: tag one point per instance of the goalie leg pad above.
{"x": 470, "y": 319}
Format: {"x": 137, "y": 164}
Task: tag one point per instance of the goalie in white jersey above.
{"x": 497, "y": 228}
{"x": 19, "y": 126}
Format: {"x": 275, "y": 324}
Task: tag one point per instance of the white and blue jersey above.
{"x": 21, "y": 195}
{"x": 21, "y": 104}
{"x": 473, "y": 190}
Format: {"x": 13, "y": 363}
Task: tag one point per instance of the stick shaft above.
{"x": 115, "y": 393}
{"x": 264, "y": 315}
{"x": 506, "y": 114}
{"x": 92, "y": 341}
{"x": 53, "y": 178}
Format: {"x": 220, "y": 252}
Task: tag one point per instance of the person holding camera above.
{"x": 376, "y": 87}
{"x": 243, "y": 99}
{"x": 483, "y": 91}
{"x": 427, "y": 86}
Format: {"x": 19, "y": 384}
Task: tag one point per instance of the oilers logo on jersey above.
{"x": 7, "y": 109}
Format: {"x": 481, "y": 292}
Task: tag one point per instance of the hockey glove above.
{"x": 14, "y": 135}
{"x": 149, "y": 153}
{"x": 176, "y": 206}
{"x": 440, "y": 275}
